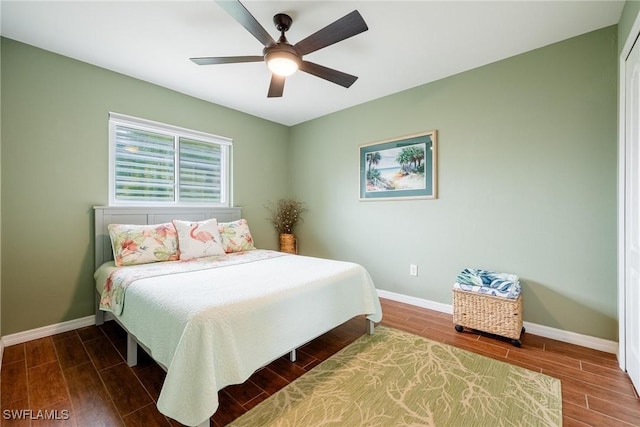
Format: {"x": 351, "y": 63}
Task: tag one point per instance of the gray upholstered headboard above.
{"x": 105, "y": 215}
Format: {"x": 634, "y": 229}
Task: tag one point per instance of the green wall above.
{"x": 55, "y": 168}
{"x": 526, "y": 183}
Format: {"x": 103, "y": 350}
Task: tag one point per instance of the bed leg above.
{"x": 99, "y": 317}
{"x": 292, "y": 355}
{"x": 99, "y": 313}
{"x": 370, "y": 326}
{"x": 132, "y": 351}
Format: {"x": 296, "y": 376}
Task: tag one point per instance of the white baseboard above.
{"x": 541, "y": 330}
{"x": 573, "y": 338}
{"x": 418, "y": 302}
{"x": 45, "y": 331}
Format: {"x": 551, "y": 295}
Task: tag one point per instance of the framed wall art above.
{"x": 400, "y": 168}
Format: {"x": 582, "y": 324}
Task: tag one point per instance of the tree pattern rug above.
{"x": 394, "y": 378}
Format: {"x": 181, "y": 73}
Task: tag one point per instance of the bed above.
{"x": 213, "y": 321}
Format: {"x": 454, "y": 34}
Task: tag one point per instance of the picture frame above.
{"x": 399, "y": 168}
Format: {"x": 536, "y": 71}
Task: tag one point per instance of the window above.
{"x": 155, "y": 163}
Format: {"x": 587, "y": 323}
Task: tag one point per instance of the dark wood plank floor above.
{"x": 84, "y": 372}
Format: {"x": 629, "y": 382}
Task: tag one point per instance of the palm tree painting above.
{"x": 399, "y": 168}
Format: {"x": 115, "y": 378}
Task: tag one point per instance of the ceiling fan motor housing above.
{"x": 281, "y": 50}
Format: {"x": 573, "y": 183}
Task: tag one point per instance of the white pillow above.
{"x": 198, "y": 239}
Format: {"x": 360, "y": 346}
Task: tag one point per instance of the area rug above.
{"x": 394, "y": 378}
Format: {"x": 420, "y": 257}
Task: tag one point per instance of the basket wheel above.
{"x": 459, "y": 328}
{"x": 516, "y": 343}
{"x": 522, "y": 331}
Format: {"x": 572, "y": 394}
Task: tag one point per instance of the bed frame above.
{"x": 105, "y": 215}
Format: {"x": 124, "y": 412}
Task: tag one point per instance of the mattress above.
{"x": 213, "y": 327}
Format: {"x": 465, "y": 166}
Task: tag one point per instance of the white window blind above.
{"x": 155, "y": 163}
{"x": 200, "y": 171}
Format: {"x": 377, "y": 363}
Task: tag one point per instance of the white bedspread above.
{"x": 213, "y": 328}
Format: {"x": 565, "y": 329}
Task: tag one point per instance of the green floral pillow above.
{"x": 142, "y": 244}
{"x": 236, "y": 236}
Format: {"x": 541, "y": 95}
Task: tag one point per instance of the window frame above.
{"x": 176, "y": 132}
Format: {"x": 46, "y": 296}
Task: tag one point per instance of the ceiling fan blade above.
{"x": 334, "y": 76}
{"x": 345, "y": 27}
{"x": 276, "y": 87}
{"x": 209, "y": 60}
{"x": 246, "y": 19}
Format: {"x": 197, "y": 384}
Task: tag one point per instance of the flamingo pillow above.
{"x": 198, "y": 239}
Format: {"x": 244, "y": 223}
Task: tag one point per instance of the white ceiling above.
{"x": 408, "y": 43}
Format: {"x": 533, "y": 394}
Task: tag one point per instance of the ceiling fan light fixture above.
{"x": 282, "y": 63}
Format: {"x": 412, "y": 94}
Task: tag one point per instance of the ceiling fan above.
{"x": 282, "y": 58}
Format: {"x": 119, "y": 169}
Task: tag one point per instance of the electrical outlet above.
{"x": 413, "y": 270}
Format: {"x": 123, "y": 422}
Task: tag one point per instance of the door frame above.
{"x": 626, "y": 50}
